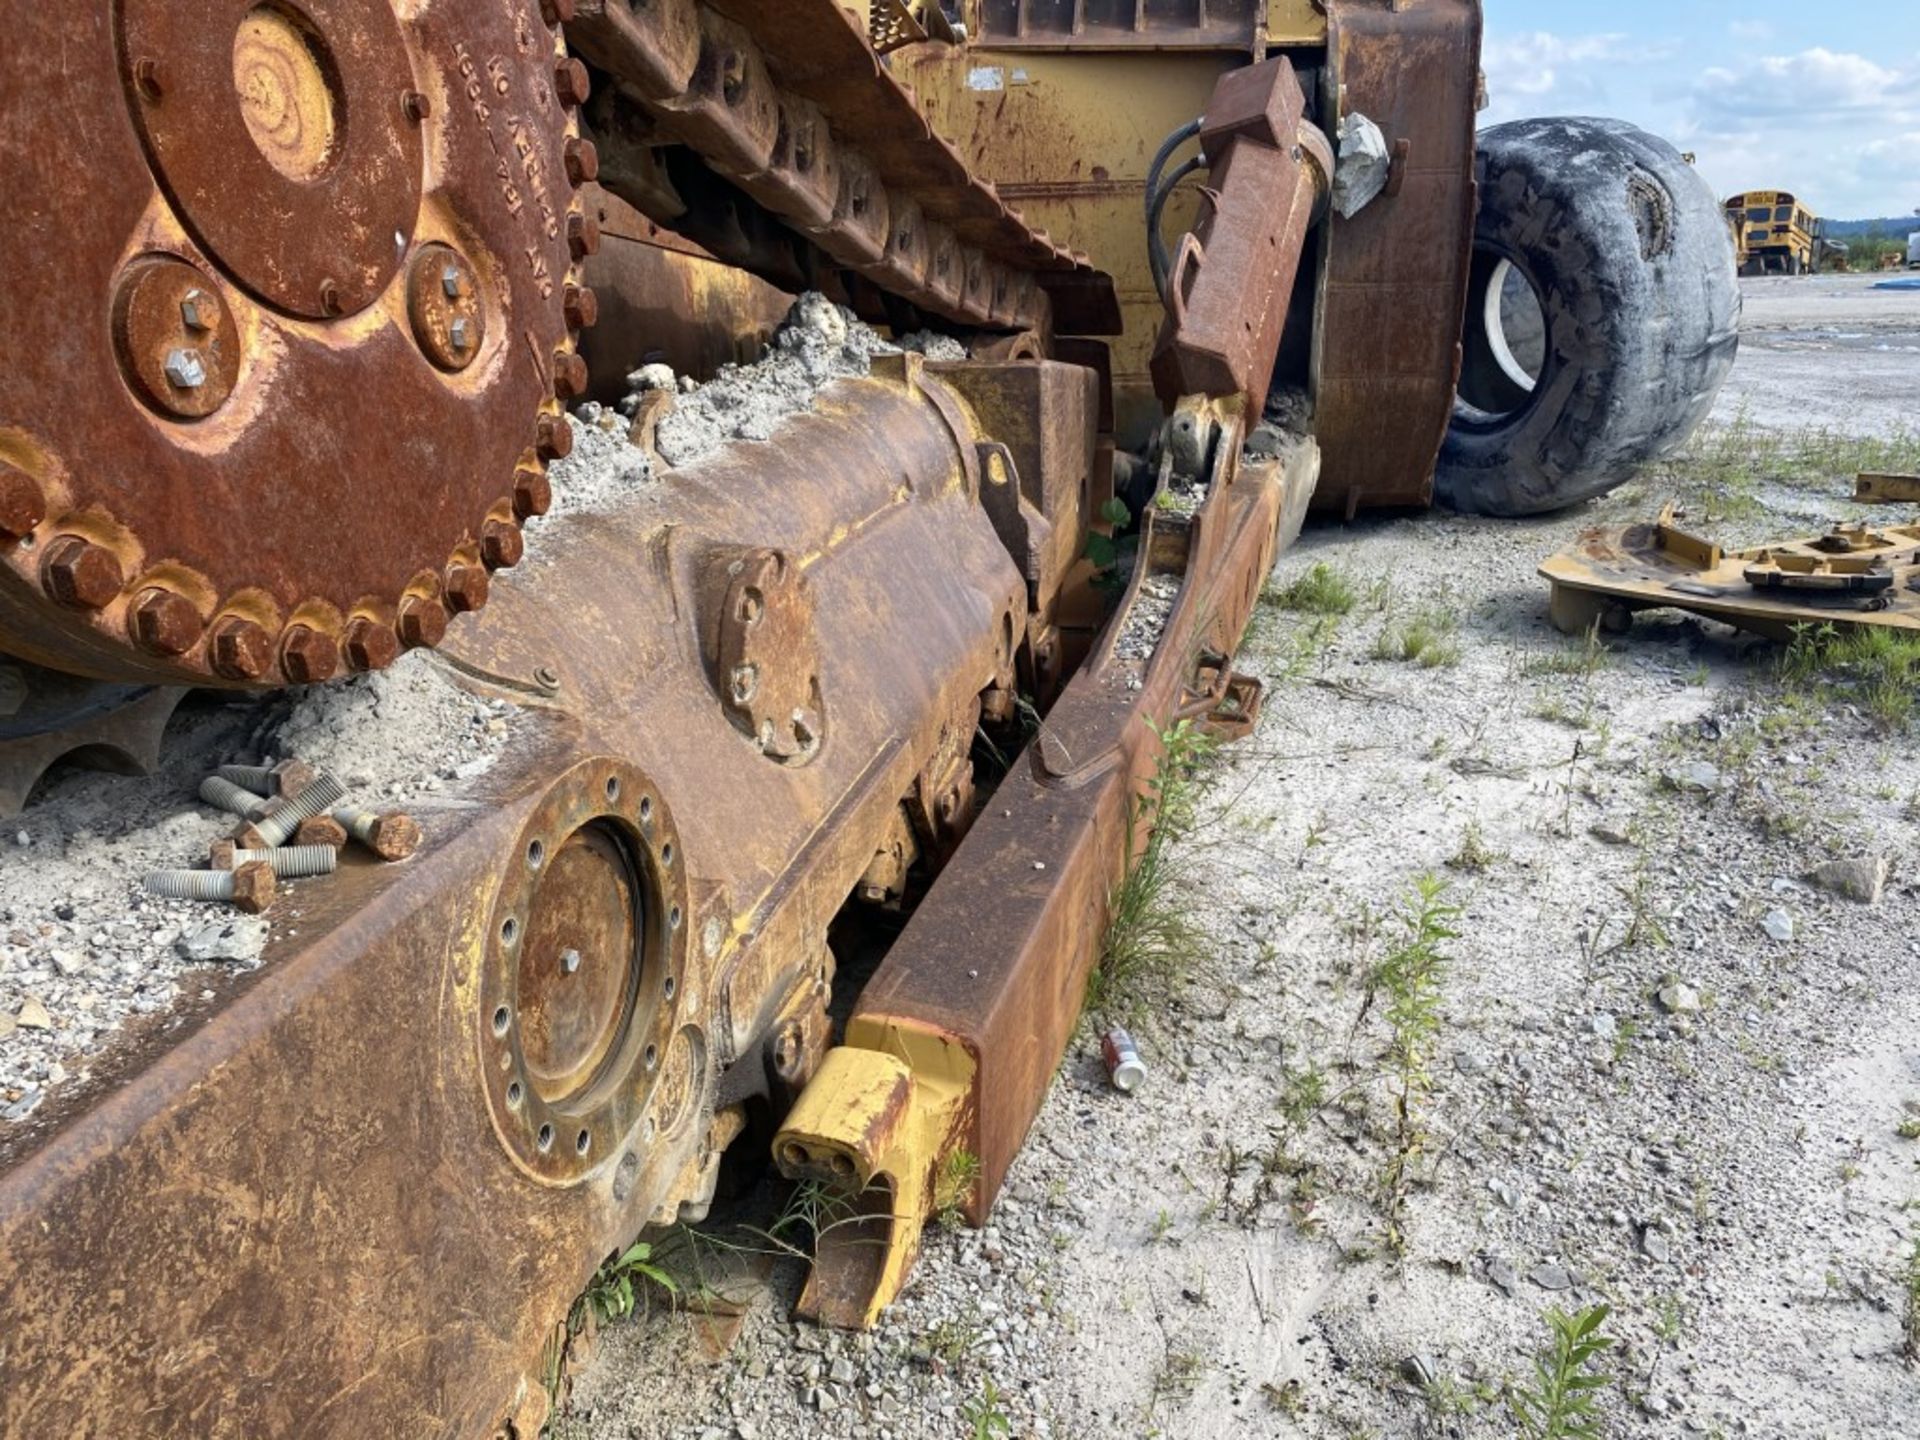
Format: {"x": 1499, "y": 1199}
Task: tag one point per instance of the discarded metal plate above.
{"x": 1852, "y": 575}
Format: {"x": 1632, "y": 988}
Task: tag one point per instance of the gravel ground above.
{"x": 1667, "y": 1072}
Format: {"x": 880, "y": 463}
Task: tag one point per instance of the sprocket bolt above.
{"x": 164, "y": 623}
{"x": 81, "y": 574}
{"x": 241, "y": 649}
{"x": 308, "y": 656}
{"x": 22, "y": 504}
{"x": 185, "y": 370}
{"x": 371, "y": 645}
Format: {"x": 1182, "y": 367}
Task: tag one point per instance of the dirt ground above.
{"x": 1656, "y": 1066}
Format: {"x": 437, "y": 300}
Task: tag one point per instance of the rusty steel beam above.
{"x": 1395, "y": 284}
{"x": 953, "y": 1042}
{"x": 357, "y": 1192}
{"x": 1231, "y": 280}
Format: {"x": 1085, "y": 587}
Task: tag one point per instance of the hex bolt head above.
{"x": 532, "y": 492}
{"x": 569, "y": 375}
{"x": 241, "y": 649}
{"x": 582, "y": 161}
{"x": 392, "y": 836}
{"x": 164, "y": 623}
{"x": 569, "y": 961}
{"x": 553, "y": 436}
{"x": 371, "y": 645}
{"x": 423, "y": 622}
{"x": 583, "y": 236}
{"x": 557, "y": 12}
{"x": 195, "y": 312}
{"x": 570, "y": 82}
{"x": 220, "y": 855}
{"x": 308, "y": 656}
{"x": 501, "y": 545}
{"x": 321, "y": 830}
{"x": 415, "y": 106}
{"x": 466, "y": 587}
{"x": 22, "y": 504}
{"x": 444, "y": 307}
{"x": 184, "y": 369}
{"x": 460, "y": 335}
{"x": 453, "y": 284}
{"x": 253, "y": 887}
{"x": 78, "y": 573}
{"x": 581, "y": 305}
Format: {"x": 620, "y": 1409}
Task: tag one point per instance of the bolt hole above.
{"x": 646, "y": 809}
{"x": 673, "y": 918}
{"x": 544, "y": 1139}
{"x": 514, "y": 1092}
{"x": 509, "y": 930}
{"x": 582, "y": 1143}
{"x": 536, "y": 853}
{"x": 652, "y": 1056}
{"x": 670, "y": 987}
{"x": 613, "y": 788}
{"x": 666, "y": 853}
{"x": 501, "y": 1019}
{"x": 796, "y": 1155}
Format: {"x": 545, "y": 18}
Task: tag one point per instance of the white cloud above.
{"x": 1751, "y": 30}
{"x": 1813, "y": 85}
{"x": 1538, "y": 71}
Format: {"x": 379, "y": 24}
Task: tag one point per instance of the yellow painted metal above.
{"x": 1046, "y": 129}
{"x": 1878, "y": 489}
{"x": 1296, "y": 22}
{"x": 1852, "y": 575}
{"x": 874, "y": 1125}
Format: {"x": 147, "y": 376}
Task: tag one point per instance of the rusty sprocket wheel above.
{"x": 291, "y": 304}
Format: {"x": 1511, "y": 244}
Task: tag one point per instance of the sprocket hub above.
{"x": 288, "y": 313}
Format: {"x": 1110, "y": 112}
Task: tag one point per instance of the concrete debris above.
{"x": 1361, "y": 172}
{"x": 1778, "y": 924}
{"x": 236, "y": 938}
{"x": 1863, "y": 880}
{"x": 1679, "y": 999}
{"x": 1696, "y": 777}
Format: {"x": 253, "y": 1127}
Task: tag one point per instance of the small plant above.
{"x": 985, "y": 1414}
{"x": 1302, "y": 1093}
{"x": 1910, "y": 1309}
{"x": 618, "y": 1285}
{"x": 1876, "y": 667}
{"x": 1473, "y": 855}
{"x": 1321, "y": 591}
{"x": 1561, "y": 1406}
{"x": 1179, "y": 1373}
{"x": 1112, "y": 555}
{"x": 1429, "y": 639}
{"x": 1150, "y": 939}
{"x": 1410, "y": 978}
{"x": 953, "y": 1185}
{"x": 1162, "y": 1226}
{"x": 1908, "y": 1128}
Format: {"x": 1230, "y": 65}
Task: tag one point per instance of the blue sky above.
{"x": 1819, "y": 98}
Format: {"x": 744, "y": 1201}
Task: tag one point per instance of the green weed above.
{"x": 1410, "y": 978}
{"x": 1561, "y": 1407}
{"x": 953, "y": 1185}
{"x": 1910, "y": 1309}
{"x": 1430, "y": 639}
{"x": 618, "y": 1285}
{"x": 984, "y": 1413}
{"x": 1473, "y": 854}
{"x": 1150, "y": 938}
{"x": 1321, "y": 591}
{"x": 1876, "y": 667}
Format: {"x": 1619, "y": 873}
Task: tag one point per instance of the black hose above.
{"x": 1156, "y": 253}
{"x": 1157, "y": 203}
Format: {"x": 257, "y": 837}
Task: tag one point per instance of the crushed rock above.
{"x": 818, "y": 342}
{"x": 1147, "y": 620}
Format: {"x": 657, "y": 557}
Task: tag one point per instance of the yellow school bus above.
{"x": 1775, "y": 233}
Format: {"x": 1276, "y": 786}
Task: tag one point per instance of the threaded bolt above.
{"x": 287, "y": 779}
{"x": 392, "y": 836}
{"x": 289, "y": 862}
{"x": 287, "y": 814}
{"x": 224, "y": 794}
{"x": 250, "y": 887}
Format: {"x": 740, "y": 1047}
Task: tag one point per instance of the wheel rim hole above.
{"x": 582, "y": 1143}
{"x": 514, "y": 1091}
{"x": 544, "y": 1138}
{"x": 536, "y": 853}
{"x": 613, "y": 788}
{"x": 509, "y": 930}
{"x": 502, "y": 1018}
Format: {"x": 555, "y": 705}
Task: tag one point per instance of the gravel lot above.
{"x": 1637, "y": 1093}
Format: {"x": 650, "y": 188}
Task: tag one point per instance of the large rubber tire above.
{"x": 1630, "y": 259}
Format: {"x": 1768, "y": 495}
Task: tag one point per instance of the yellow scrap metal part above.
{"x": 1852, "y": 575}
{"x": 876, "y": 1121}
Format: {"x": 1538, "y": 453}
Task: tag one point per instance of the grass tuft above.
{"x": 1877, "y": 668}
{"x": 1150, "y": 939}
{"x": 1430, "y": 639}
{"x": 1323, "y": 590}
{"x": 1410, "y": 978}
